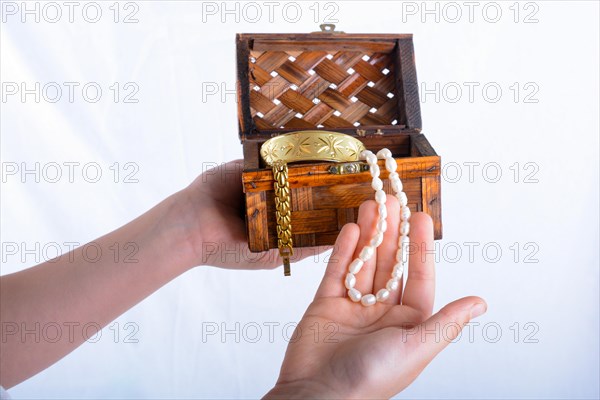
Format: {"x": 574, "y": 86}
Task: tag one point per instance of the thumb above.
{"x": 442, "y": 328}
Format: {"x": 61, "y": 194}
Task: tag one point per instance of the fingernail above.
{"x": 478, "y": 309}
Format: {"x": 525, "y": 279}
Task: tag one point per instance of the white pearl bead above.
{"x": 366, "y": 253}
{"x": 371, "y": 158}
{"x": 404, "y": 228}
{"x": 403, "y": 240}
{"x": 392, "y": 285}
{"x": 377, "y": 184}
{"x": 384, "y": 153}
{"x": 398, "y": 271}
{"x": 363, "y": 154}
{"x": 405, "y": 213}
{"x": 391, "y": 164}
{"x": 380, "y": 196}
{"x": 350, "y": 281}
{"x": 368, "y": 300}
{"x": 402, "y": 199}
{"x": 355, "y": 266}
{"x": 405, "y": 247}
{"x": 382, "y": 211}
{"x": 354, "y": 295}
{"x": 393, "y": 175}
{"x": 382, "y": 295}
{"x": 402, "y": 254}
{"x": 377, "y": 239}
{"x": 381, "y": 225}
{"x": 375, "y": 171}
{"x": 396, "y": 185}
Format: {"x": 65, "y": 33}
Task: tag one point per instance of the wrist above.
{"x": 178, "y": 231}
{"x": 303, "y": 389}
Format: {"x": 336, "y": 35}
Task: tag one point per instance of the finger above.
{"x": 332, "y": 284}
{"x": 271, "y": 259}
{"x": 367, "y": 221}
{"x": 433, "y": 335}
{"x": 420, "y": 284}
{"x": 301, "y": 253}
{"x": 386, "y": 252}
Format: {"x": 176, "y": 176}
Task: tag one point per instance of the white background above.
{"x": 551, "y": 211}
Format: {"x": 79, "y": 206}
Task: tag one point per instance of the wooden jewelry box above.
{"x": 363, "y": 85}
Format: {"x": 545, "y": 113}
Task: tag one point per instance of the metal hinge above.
{"x": 328, "y": 28}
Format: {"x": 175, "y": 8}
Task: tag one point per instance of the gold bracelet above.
{"x": 278, "y": 151}
{"x": 311, "y": 146}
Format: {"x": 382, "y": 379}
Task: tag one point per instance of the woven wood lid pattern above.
{"x": 319, "y": 89}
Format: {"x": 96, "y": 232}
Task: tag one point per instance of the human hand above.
{"x": 379, "y": 350}
{"x": 214, "y": 223}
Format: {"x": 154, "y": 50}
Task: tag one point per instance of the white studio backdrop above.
{"x": 509, "y": 96}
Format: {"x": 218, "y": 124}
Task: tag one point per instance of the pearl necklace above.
{"x": 369, "y": 250}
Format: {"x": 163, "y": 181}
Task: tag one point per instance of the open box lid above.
{"x": 326, "y": 80}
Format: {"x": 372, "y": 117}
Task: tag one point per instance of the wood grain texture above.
{"x": 324, "y": 41}
{"x": 257, "y": 221}
{"x": 337, "y": 206}
{"x": 399, "y": 130}
{"x": 302, "y": 202}
{"x": 250, "y": 149}
{"x": 432, "y": 202}
{"x": 310, "y": 44}
{"x": 420, "y": 146}
{"x": 407, "y": 85}
{"x": 317, "y": 174}
{"x": 243, "y": 82}
{"x": 346, "y": 215}
{"x": 328, "y": 37}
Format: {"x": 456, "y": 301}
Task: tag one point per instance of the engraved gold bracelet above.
{"x": 310, "y": 145}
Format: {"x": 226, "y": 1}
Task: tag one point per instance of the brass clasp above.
{"x": 349, "y": 168}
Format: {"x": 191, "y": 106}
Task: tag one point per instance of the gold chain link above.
{"x": 283, "y": 214}
{"x": 292, "y": 147}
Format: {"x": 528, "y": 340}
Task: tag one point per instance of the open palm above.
{"x": 342, "y": 349}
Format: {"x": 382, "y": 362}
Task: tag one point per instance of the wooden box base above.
{"x": 323, "y": 202}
